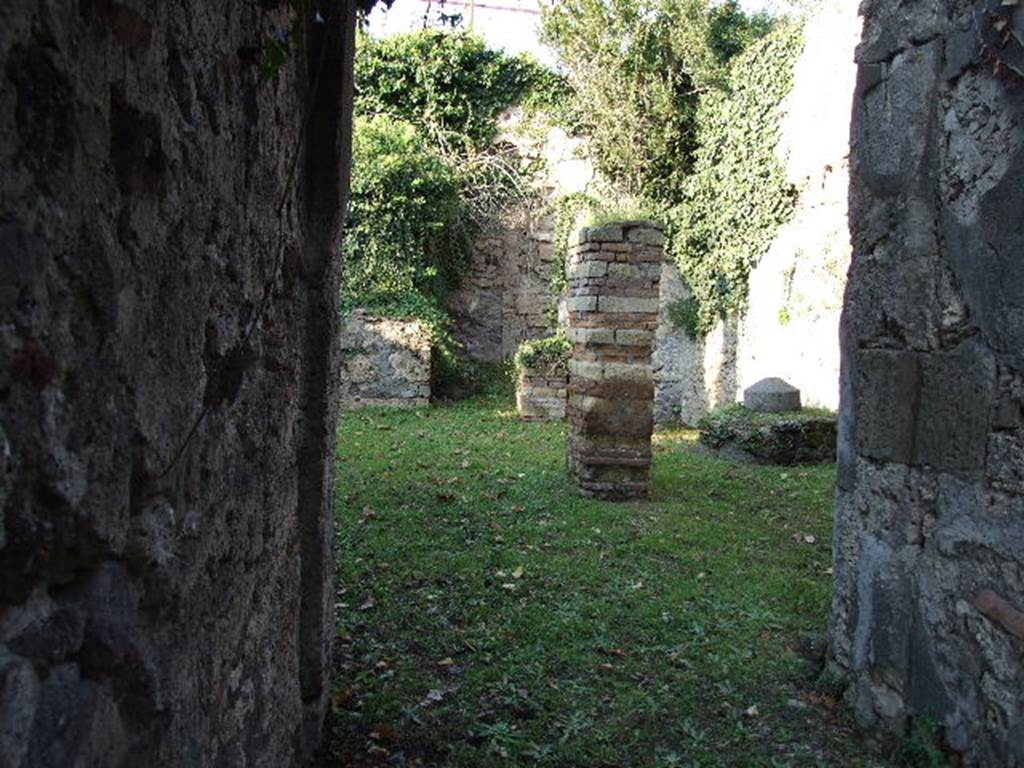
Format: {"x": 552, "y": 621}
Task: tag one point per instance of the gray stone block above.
{"x": 772, "y": 395}
{"x": 581, "y": 304}
{"x": 885, "y": 395}
{"x": 646, "y": 235}
{"x": 608, "y": 233}
{"x": 627, "y": 305}
{"x": 956, "y": 395}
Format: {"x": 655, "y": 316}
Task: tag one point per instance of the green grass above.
{"x": 488, "y": 616}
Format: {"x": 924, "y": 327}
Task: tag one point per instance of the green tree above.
{"x": 639, "y": 68}
{"x": 448, "y": 83}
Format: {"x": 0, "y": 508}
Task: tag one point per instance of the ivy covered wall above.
{"x": 769, "y": 296}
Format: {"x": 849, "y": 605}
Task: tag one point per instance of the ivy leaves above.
{"x": 639, "y": 68}
{"x": 451, "y": 84}
{"x": 737, "y": 195}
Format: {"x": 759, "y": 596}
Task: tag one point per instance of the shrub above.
{"x": 550, "y": 355}
{"x": 448, "y": 83}
{"x": 406, "y": 230}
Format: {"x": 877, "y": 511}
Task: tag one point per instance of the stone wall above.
{"x": 384, "y": 362}
{"x": 791, "y": 326}
{"x": 613, "y": 273}
{"x": 506, "y": 296}
{"x": 167, "y": 347}
{"x": 677, "y": 375}
{"x": 541, "y": 394}
{"x": 929, "y": 539}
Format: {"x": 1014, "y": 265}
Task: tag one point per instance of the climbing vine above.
{"x": 451, "y": 85}
{"x": 737, "y": 195}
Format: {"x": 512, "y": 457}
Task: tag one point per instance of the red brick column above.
{"x": 613, "y": 272}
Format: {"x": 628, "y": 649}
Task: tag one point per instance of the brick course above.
{"x": 614, "y": 274}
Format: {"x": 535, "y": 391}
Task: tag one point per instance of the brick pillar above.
{"x": 613, "y": 272}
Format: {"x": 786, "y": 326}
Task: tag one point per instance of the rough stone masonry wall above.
{"x": 168, "y": 315}
{"x": 791, "y": 326}
{"x": 929, "y": 539}
{"x": 541, "y": 394}
{"x": 505, "y": 297}
{"x": 613, "y": 272}
{"x": 384, "y": 362}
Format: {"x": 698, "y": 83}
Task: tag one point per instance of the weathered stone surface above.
{"x": 589, "y": 269}
{"x": 887, "y": 382}
{"x": 581, "y": 304}
{"x": 384, "y": 362}
{"x": 611, "y": 381}
{"x": 540, "y": 395}
{"x": 772, "y": 395}
{"x": 786, "y": 439}
{"x": 168, "y": 289}
{"x": 505, "y": 297}
{"x": 648, "y": 235}
{"x": 625, "y": 304}
{"x": 609, "y": 233}
{"x": 929, "y": 536}
{"x": 955, "y": 398}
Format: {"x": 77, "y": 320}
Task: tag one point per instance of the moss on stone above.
{"x": 807, "y": 436}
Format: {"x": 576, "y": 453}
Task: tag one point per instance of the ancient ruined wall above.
{"x": 506, "y": 296}
{"x": 929, "y": 538}
{"x": 384, "y": 362}
{"x": 791, "y": 326}
{"x": 167, "y": 312}
{"x": 541, "y": 394}
{"x": 679, "y": 392}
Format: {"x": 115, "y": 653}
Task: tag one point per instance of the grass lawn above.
{"x": 488, "y": 616}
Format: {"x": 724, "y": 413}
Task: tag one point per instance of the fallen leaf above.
{"x": 518, "y": 572}
{"x": 433, "y": 696}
